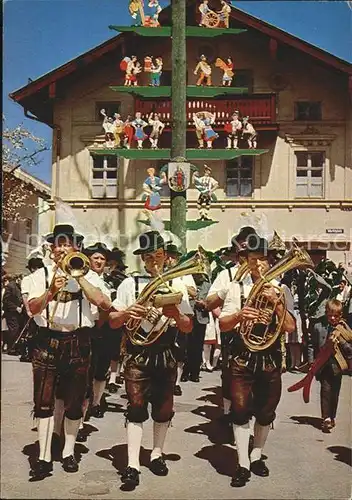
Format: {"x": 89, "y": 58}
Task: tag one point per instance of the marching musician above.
{"x": 61, "y": 307}
{"x": 114, "y": 278}
{"x": 34, "y": 263}
{"x": 255, "y": 376}
{"x": 173, "y": 256}
{"x": 98, "y": 255}
{"x": 150, "y": 371}
{"x": 215, "y": 298}
{"x": 330, "y": 375}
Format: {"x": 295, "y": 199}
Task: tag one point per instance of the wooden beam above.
{"x": 52, "y": 90}
{"x": 273, "y": 48}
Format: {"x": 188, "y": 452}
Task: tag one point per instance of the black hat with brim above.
{"x": 172, "y": 249}
{"x": 34, "y": 262}
{"x": 97, "y": 248}
{"x": 66, "y": 231}
{"x": 149, "y": 242}
{"x": 118, "y": 255}
{"x": 255, "y": 243}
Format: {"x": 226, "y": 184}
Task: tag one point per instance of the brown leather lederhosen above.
{"x": 60, "y": 367}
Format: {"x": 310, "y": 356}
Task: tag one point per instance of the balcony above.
{"x": 260, "y": 108}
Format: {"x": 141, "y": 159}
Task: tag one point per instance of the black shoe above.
{"x": 130, "y": 477}
{"x": 159, "y": 467}
{"x": 81, "y": 436}
{"x": 41, "y": 469}
{"x": 96, "y": 412}
{"x": 193, "y": 378}
{"x": 69, "y": 464}
{"x": 112, "y": 388}
{"x": 241, "y": 477}
{"x": 184, "y": 378}
{"x": 259, "y": 468}
{"x": 177, "y": 390}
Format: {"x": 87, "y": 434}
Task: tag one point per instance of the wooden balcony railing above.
{"x": 261, "y": 109}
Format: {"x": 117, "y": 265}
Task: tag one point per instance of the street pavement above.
{"x": 304, "y": 463}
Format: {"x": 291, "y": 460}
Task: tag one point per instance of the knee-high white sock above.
{"x": 160, "y": 431}
{"x": 118, "y": 368}
{"x": 134, "y": 440}
{"x": 98, "y": 390}
{"x": 180, "y": 365}
{"x": 59, "y": 410}
{"x": 206, "y": 353}
{"x": 260, "y": 435}
{"x": 45, "y": 433}
{"x": 71, "y": 430}
{"x": 241, "y": 433}
{"x": 227, "y": 405}
{"x": 216, "y": 356}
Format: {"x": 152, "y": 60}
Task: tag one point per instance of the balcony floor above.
{"x": 192, "y": 91}
{"x": 191, "y": 154}
{"x": 165, "y": 31}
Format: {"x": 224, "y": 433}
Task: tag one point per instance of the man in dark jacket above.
{"x": 12, "y": 306}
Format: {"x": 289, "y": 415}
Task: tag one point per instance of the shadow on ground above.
{"x": 342, "y": 454}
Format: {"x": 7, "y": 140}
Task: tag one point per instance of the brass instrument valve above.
{"x": 153, "y": 315}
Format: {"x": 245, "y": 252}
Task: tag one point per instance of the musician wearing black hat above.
{"x": 98, "y": 255}
{"x": 173, "y": 256}
{"x": 114, "y": 278}
{"x": 255, "y": 388}
{"x": 215, "y": 298}
{"x": 150, "y": 370}
{"x": 61, "y": 307}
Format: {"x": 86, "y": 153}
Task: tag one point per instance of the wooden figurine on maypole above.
{"x": 128, "y": 131}
{"x": 227, "y": 68}
{"x": 206, "y": 185}
{"x": 224, "y": 14}
{"x": 139, "y": 124}
{"x": 157, "y": 129}
{"x": 205, "y": 71}
{"x": 132, "y": 68}
{"x": 152, "y": 187}
{"x": 233, "y": 130}
{"x": 249, "y": 133}
{"x": 109, "y": 129}
{"x": 204, "y": 121}
{"x": 136, "y": 9}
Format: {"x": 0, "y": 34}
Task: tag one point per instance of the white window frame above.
{"x": 309, "y": 169}
{"x": 238, "y": 168}
{"x": 105, "y": 187}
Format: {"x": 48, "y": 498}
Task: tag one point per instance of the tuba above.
{"x": 157, "y": 293}
{"x": 259, "y": 334}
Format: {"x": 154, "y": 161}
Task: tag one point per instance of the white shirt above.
{"x": 25, "y": 284}
{"x": 188, "y": 280}
{"x": 222, "y": 282}
{"x": 232, "y": 302}
{"x": 66, "y": 317}
{"x": 126, "y": 297}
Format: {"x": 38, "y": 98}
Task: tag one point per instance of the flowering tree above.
{"x": 20, "y": 148}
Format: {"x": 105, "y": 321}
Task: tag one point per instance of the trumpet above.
{"x": 73, "y": 265}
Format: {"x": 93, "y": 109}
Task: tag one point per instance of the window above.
{"x": 239, "y": 176}
{"x": 243, "y": 78}
{"x": 309, "y": 174}
{"x": 110, "y": 109}
{"x": 308, "y": 111}
{"x": 105, "y": 176}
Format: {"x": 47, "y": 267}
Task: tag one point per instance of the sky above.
{"x": 40, "y": 35}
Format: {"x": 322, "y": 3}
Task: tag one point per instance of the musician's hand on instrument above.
{"x": 58, "y": 284}
{"x": 269, "y": 293}
{"x": 171, "y": 311}
{"x": 248, "y": 313}
{"x": 136, "y": 311}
